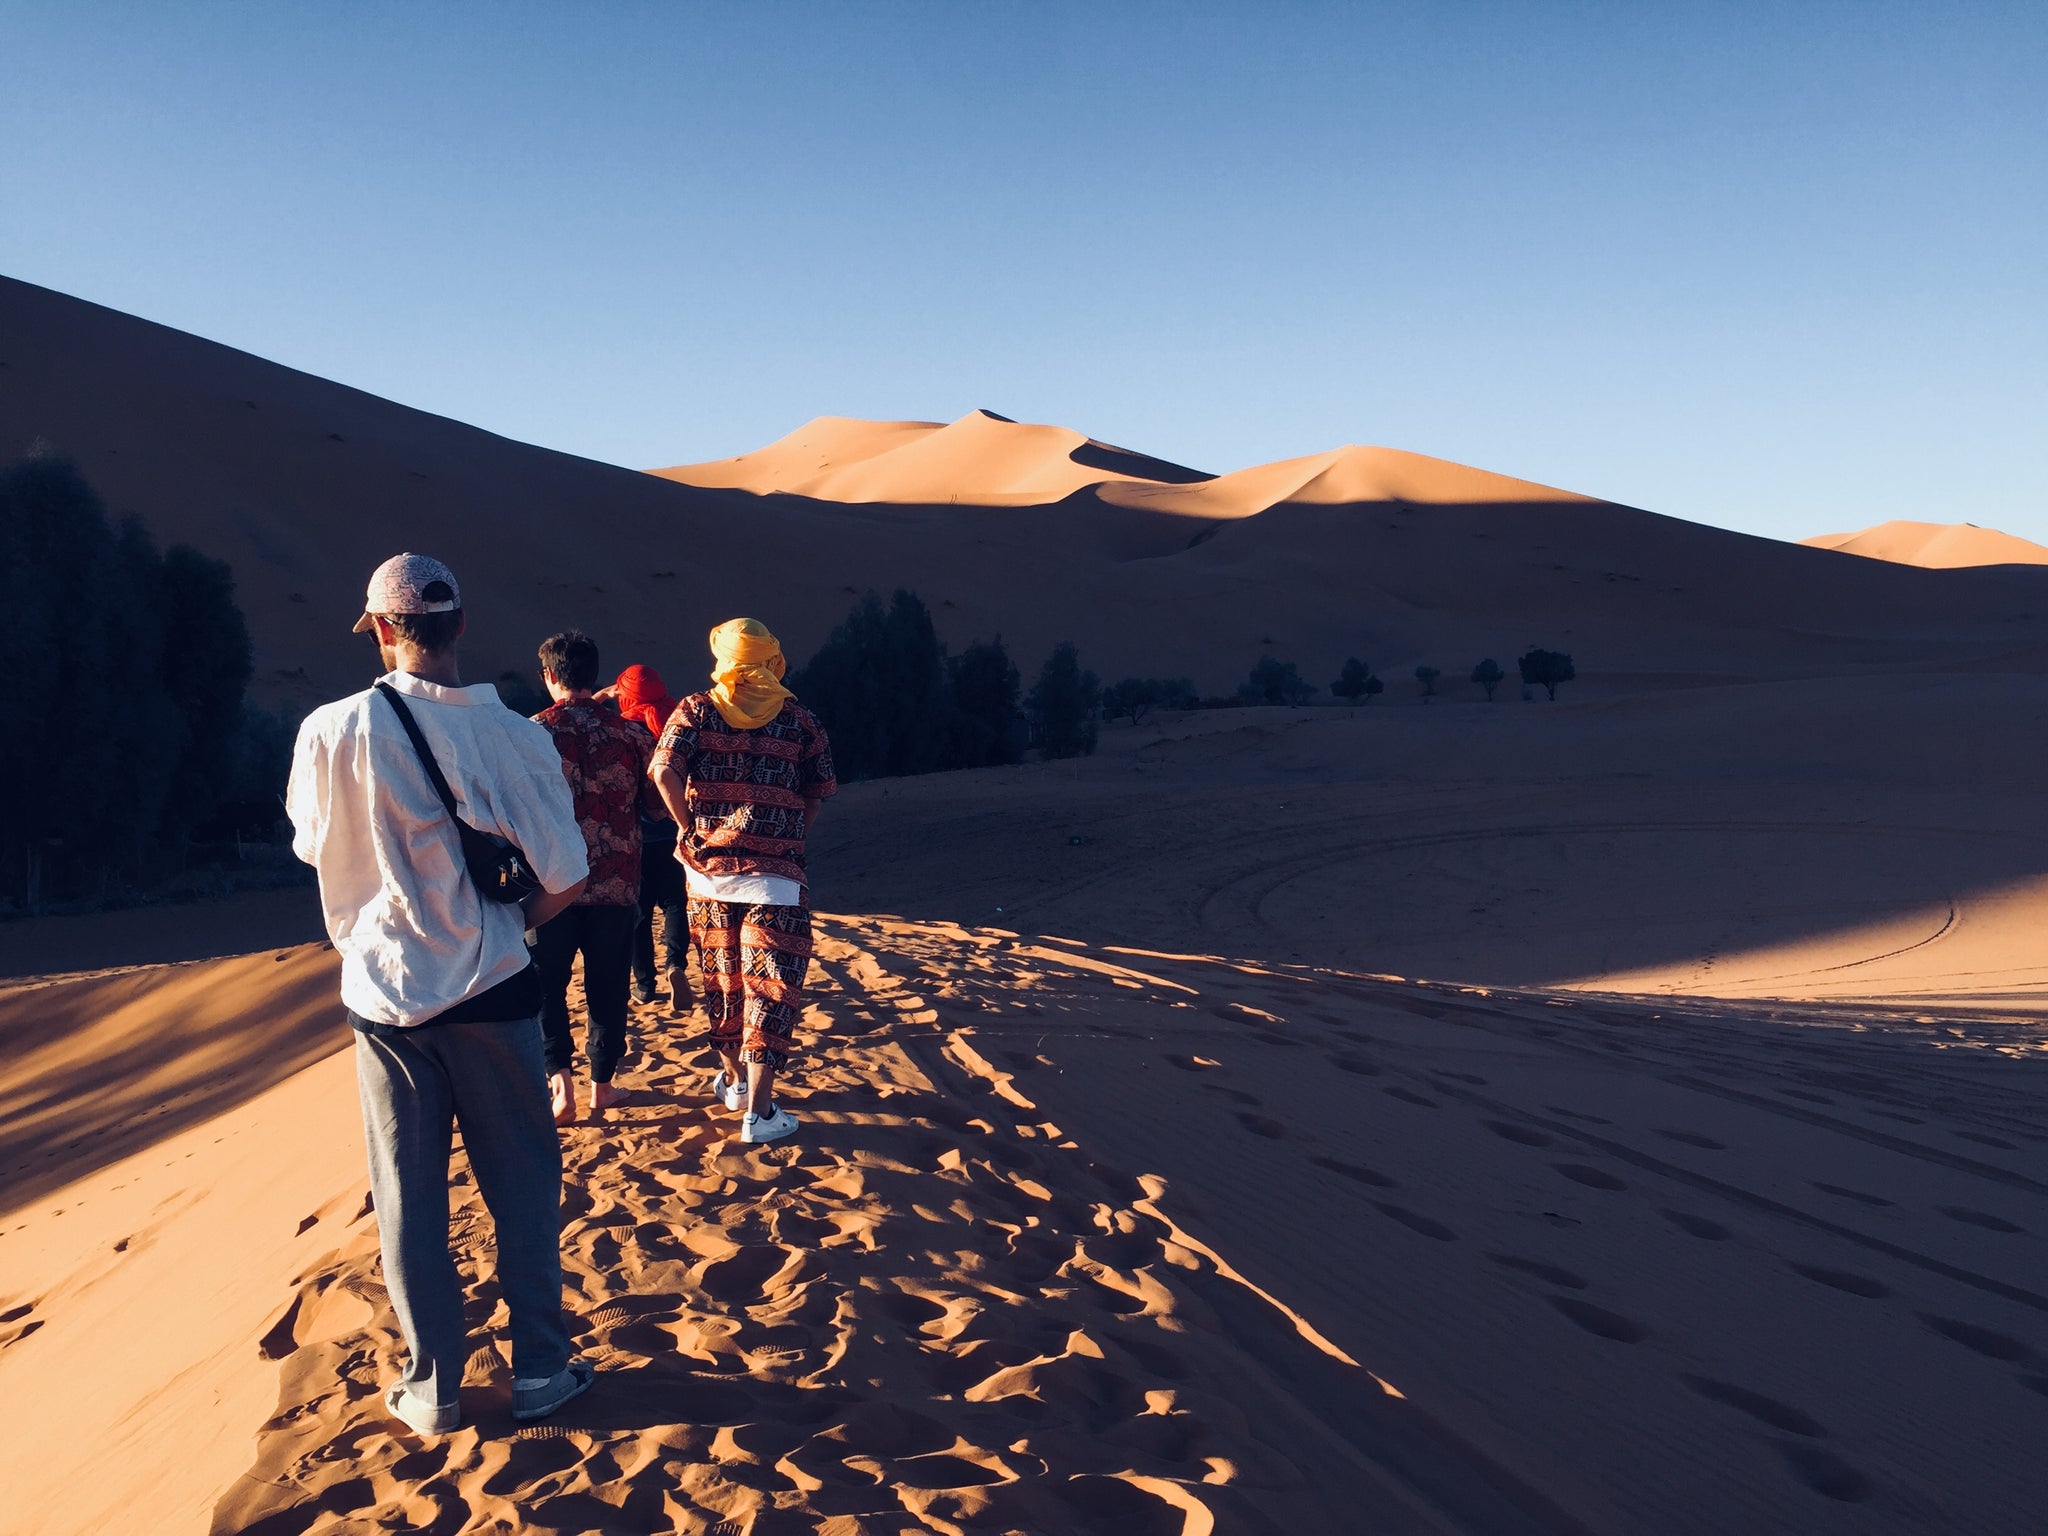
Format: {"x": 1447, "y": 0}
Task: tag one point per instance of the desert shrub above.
{"x": 1062, "y": 704}
{"x": 1351, "y": 680}
{"x": 1488, "y": 675}
{"x": 1546, "y": 669}
{"x": 1276, "y": 682}
{"x": 1427, "y": 676}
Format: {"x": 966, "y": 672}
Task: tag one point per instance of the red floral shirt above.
{"x": 605, "y": 760}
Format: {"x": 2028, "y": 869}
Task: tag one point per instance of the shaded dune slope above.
{"x": 303, "y": 485}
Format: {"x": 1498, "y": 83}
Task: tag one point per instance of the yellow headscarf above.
{"x": 747, "y": 678}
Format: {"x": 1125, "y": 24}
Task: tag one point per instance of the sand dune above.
{"x": 982, "y": 459}
{"x": 302, "y": 485}
{"x": 1941, "y": 546}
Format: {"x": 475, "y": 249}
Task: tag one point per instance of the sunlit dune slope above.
{"x": 1939, "y": 546}
{"x": 819, "y": 446}
{"x": 1152, "y": 569}
{"x": 982, "y": 459}
{"x": 1344, "y": 476}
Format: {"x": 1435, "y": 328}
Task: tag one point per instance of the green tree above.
{"x": 1373, "y": 689}
{"x": 207, "y": 662}
{"x": 1062, "y": 704}
{"x": 986, "y": 703}
{"x": 1350, "y": 684}
{"x": 882, "y": 685}
{"x": 1427, "y": 676}
{"x": 1276, "y": 682}
{"x": 1546, "y": 669}
{"x": 128, "y": 671}
{"x": 1133, "y": 697}
{"x": 1488, "y": 675}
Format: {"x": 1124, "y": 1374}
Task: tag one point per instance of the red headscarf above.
{"x": 641, "y": 695}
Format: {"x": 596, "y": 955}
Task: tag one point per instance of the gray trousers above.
{"x": 416, "y": 1086}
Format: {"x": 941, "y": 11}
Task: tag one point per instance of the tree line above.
{"x": 131, "y": 735}
{"x": 894, "y": 701}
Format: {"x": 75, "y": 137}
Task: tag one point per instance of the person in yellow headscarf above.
{"x": 746, "y": 676}
{"x": 743, "y": 767}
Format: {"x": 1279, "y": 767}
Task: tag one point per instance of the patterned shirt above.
{"x": 605, "y": 759}
{"x": 745, "y": 790}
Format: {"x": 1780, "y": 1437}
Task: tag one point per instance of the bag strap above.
{"x": 419, "y": 745}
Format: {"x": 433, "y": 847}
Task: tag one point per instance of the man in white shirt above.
{"x": 437, "y": 981}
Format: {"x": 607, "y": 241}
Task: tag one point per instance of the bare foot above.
{"x": 602, "y": 1097}
{"x": 562, "y": 1090}
{"x": 680, "y": 1002}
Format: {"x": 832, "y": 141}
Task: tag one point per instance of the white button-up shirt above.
{"x": 415, "y": 935}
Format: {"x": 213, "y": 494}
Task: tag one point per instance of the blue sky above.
{"x": 1774, "y": 266}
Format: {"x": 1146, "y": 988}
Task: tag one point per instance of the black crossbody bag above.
{"x": 499, "y": 869}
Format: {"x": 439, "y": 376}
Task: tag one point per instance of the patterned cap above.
{"x": 402, "y": 585}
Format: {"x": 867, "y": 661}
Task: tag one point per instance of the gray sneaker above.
{"x": 537, "y": 1402}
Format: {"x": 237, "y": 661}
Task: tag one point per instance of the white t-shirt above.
{"x": 415, "y": 935}
{"x": 744, "y": 890}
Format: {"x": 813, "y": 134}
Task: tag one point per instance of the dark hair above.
{"x": 570, "y": 658}
{"x": 429, "y": 632}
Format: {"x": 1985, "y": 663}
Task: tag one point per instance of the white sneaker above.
{"x": 769, "y": 1127}
{"x": 729, "y": 1090}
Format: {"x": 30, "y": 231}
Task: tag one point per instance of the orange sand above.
{"x": 1937, "y": 545}
{"x": 1615, "y": 1116}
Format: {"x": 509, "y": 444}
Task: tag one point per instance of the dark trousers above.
{"x": 661, "y": 887}
{"x": 604, "y": 937}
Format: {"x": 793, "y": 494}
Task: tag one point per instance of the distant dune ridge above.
{"x": 1938, "y": 546}
{"x": 1038, "y": 533}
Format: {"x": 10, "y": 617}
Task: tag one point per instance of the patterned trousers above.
{"x": 753, "y": 961}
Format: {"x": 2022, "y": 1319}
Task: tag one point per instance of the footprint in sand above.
{"x": 1357, "y": 1065}
{"x": 1592, "y": 1178}
{"x": 1260, "y": 1125}
{"x": 1354, "y": 1171}
{"x": 1521, "y": 1135}
{"x": 1984, "y": 1219}
{"x": 1415, "y": 1221}
{"x": 1765, "y": 1410}
{"x": 1600, "y": 1322}
{"x": 1987, "y": 1141}
{"x": 1579, "y": 1115}
{"x": 1550, "y": 1274}
{"x": 1825, "y": 1473}
{"x": 1694, "y": 1139}
{"x": 1851, "y": 1194}
{"x": 1844, "y": 1280}
{"x": 1235, "y": 1095}
{"x": 1408, "y": 1096}
{"x": 1987, "y": 1342}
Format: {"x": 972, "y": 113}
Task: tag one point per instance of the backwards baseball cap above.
{"x": 410, "y": 584}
